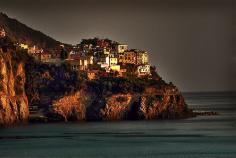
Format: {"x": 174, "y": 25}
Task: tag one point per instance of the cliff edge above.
{"x": 64, "y": 95}
{"x": 13, "y": 100}
{"x": 147, "y": 105}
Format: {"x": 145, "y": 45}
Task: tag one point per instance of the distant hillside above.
{"x": 20, "y": 33}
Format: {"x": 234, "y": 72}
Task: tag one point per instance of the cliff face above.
{"x": 69, "y": 95}
{"x": 117, "y": 107}
{"x": 145, "y": 106}
{"x": 13, "y": 101}
{"x": 72, "y": 99}
{"x": 70, "y": 107}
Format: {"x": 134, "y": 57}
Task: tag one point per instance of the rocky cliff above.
{"x": 102, "y": 99}
{"x": 63, "y": 93}
{"x": 122, "y": 106}
{"x": 13, "y": 100}
{"x": 71, "y": 107}
{"x": 60, "y": 93}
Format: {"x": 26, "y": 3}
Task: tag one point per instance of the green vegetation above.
{"x": 64, "y": 54}
{"x": 61, "y": 81}
{"x": 41, "y": 79}
{"x": 94, "y": 41}
{"x": 154, "y": 73}
{"x": 89, "y": 41}
{"x": 113, "y": 85}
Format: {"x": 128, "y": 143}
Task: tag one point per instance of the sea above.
{"x": 198, "y": 137}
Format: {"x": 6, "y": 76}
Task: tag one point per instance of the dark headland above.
{"x": 42, "y": 79}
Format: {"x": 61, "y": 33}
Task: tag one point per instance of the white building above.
{"x": 143, "y": 70}
{"x": 142, "y": 57}
{"x": 110, "y": 63}
{"x": 120, "y": 48}
{"x": 85, "y": 61}
{"x": 110, "y": 60}
{"x": 113, "y": 61}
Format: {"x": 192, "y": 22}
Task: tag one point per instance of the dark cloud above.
{"x": 190, "y": 41}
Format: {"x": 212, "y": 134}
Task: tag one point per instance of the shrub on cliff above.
{"x": 19, "y": 56}
{"x": 60, "y": 81}
{"x": 115, "y": 85}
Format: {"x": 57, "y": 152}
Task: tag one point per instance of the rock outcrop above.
{"x": 88, "y": 106}
{"x": 70, "y": 107}
{"x": 56, "y": 90}
{"x": 75, "y": 100}
{"x": 13, "y": 100}
{"x": 116, "y": 107}
{"x": 144, "y": 107}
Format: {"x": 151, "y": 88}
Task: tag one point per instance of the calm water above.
{"x": 201, "y": 137}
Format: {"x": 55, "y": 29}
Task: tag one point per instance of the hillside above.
{"x": 68, "y": 89}
{"x": 64, "y": 96}
{"x": 20, "y": 33}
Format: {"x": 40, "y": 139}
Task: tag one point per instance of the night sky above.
{"x": 189, "y": 41}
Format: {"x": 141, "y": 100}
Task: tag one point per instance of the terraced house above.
{"x": 121, "y": 48}
{"x": 142, "y": 57}
{"x": 143, "y": 70}
{"x": 128, "y": 57}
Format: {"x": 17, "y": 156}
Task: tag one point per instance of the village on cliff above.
{"x": 98, "y": 79}
{"x": 92, "y": 56}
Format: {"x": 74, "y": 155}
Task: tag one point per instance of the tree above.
{"x": 64, "y": 54}
{"x": 154, "y": 72}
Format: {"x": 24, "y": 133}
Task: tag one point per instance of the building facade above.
{"x": 142, "y": 57}
{"x": 115, "y": 68}
{"x": 128, "y": 57}
{"x": 143, "y": 70}
{"x": 85, "y": 61}
{"x": 113, "y": 61}
{"x": 121, "y": 48}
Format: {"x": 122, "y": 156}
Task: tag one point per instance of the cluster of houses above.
{"x": 93, "y": 56}
{"x": 108, "y": 55}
